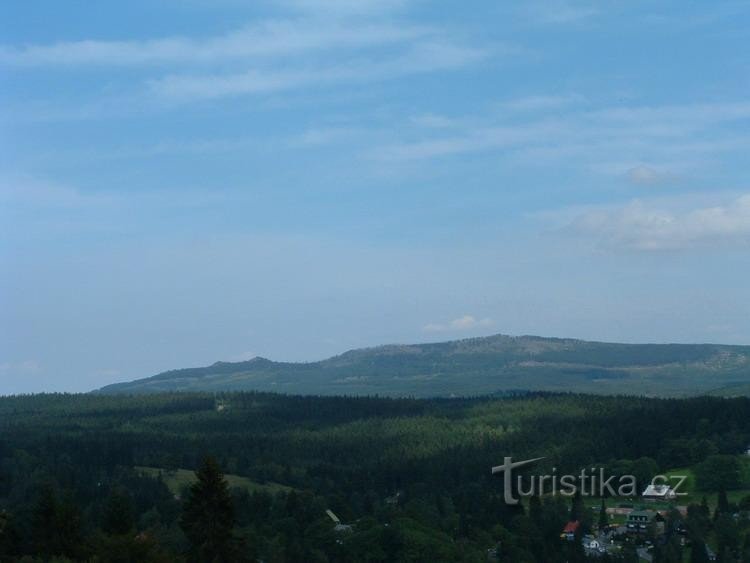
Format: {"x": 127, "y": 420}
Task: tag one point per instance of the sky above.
{"x": 189, "y": 181}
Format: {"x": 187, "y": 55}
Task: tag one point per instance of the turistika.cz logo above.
{"x": 589, "y": 482}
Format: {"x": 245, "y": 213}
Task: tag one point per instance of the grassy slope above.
{"x": 480, "y": 366}
{"x": 178, "y": 479}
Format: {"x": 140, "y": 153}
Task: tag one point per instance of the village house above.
{"x": 645, "y": 522}
{"x": 338, "y": 526}
{"x": 594, "y": 546}
{"x": 658, "y": 492}
{"x": 569, "y": 531}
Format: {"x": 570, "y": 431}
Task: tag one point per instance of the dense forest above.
{"x": 102, "y": 478}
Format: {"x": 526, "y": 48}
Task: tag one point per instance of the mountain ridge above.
{"x": 473, "y": 366}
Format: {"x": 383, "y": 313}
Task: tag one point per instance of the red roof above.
{"x": 571, "y": 527}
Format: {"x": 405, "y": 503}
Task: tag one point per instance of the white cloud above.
{"x": 536, "y": 103}
{"x": 466, "y": 322}
{"x": 432, "y": 121}
{"x": 321, "y": 136}
{"x": 26, "y": 190}
{"x": 674, "y": 115}
{"x": 473, "y": 140}
{"x": 641, "y": 226}
{"x": 26, "y": 367}
{"x": 560, "y": 11}
{"x": 348, "y": 7}
{"x": 427, "y": 56}
{"x": 37, "y": 193}
{"x": 264, "y": 39}
{"x": 669, "y": 136}
{"x": 187, "y": 87}
{"x": 243, "y": 356}
{"x": 647, "y": 175}
{"x": 265, "y": 57}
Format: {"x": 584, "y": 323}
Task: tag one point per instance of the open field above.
{"x": 178, "y": 479}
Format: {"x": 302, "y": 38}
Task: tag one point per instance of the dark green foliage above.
{"x": 44, "y": 523}
{"x": 727, "y": 534}
{"x": 718, "y": 472}
{"x": 208, "y": 515}
{"x": 698, "y": 552}
{"x": 10, "y": 539}
{"x": 577, "y": 509}
{"x": 118, "y": 513}
{"x": 411, "y": 477}
{"x": 56, "y": 525}
{"x": 722, "y": 504}
{"x": 644, "y": 469}
{"x": 70, "y": 528}
{"x": 669, "y": 552}
{"x": 603, "y": 520}
{"x": 745, "y": 555}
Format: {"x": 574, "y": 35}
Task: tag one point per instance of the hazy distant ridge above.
{"x": 478, "y": 366}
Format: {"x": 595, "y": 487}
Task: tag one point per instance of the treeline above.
{"x": 411, "y": 476}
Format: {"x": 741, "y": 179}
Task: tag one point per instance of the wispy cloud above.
{"x": 348, "y": 7}
{"x": 467, "y": 141}
{"x": 591, "y": 137}
{"x": 646, "y": 175}
{"x": 466, "y": 322}
{"x": 243, "y": 356}
{"x": 647, "y": 226}
{"x": 560, "y": 12}
{"x": 26, "y": 367}
{"x": 264, "y": 57}
{"x": 432, "y": 121}
{"x": 428, "y": 56}
{"x": 542, "y": 102}
{"x": 264, "y": 39}
{"x": 320, "y": 136}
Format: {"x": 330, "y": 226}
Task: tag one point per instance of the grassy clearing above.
{"x": 694, "y": 495}
{"x": 177, "y": 479}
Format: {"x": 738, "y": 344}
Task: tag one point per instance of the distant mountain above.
{"x": 476, "y": 366}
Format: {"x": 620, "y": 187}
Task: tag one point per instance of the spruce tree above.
{"x": 535, "y": 510}
{"x": 603, "y": 521}
{"x": 698, "y": 552}
{"x": 70, "y": 528}
{"x": 44, "y": 523}
{"x": 722, "y": 504}
{"x": 118, "y": 514}
{"x": 704, "y": 507}
{"x": 9, "y": 537}
{"x": 576, "y": 507}
{"x": 208, "y": 516}
{"x": 746, "y": 549}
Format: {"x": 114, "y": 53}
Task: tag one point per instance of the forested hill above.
{"x": 480, "y": 366}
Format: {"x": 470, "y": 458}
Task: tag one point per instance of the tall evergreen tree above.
{"x": 118, "y": 513}
{"x": 9, "y": 537}
{"x": 535, "y": 510}
{"x": 603, "y": 520}
{"x": 576, "y": 507}
{"x": 208, "y": 516}
{"x": 698, "y": 552}
{"x": 70, "y": 528}
{"x": 704, "y": 507}
{"x": 669, "y": 552}
{"x": 746, "y": 549}
{"x": 722, "y": 504}
{"x": 44, "y": 523}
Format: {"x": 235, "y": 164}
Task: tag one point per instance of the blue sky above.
{"x": 189, "y": 181}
